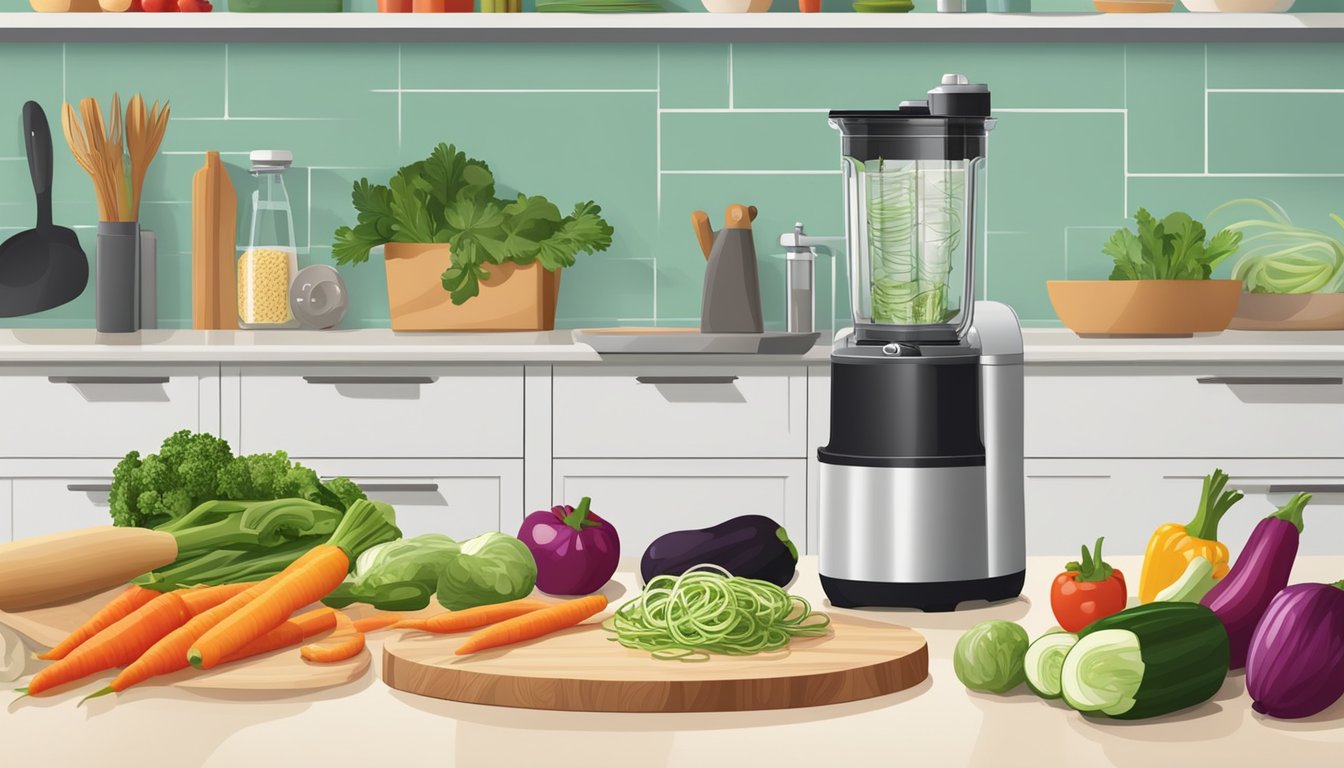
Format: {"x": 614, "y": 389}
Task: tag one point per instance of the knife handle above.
{"x": 704, "y": 233}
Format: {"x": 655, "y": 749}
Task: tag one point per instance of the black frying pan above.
{"x": 42, "y": 267}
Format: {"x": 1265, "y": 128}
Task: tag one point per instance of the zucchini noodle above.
{"x": 708, "y": 610}
{"x": 910, "y": 276}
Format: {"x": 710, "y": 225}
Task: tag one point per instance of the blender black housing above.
{"x": 922, "y": 480}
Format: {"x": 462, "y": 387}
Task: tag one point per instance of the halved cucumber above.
{"x": 1103, "y": 672}
{"x": 1045, "y": 659}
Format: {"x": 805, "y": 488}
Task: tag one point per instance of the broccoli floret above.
{"x": 254, "y": 477}
{"x": 344, "y": 488}
{"x": 159, "y": 487}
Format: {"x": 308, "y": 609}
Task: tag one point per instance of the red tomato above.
{"x": 159, "y": 6}
{"x": 194, "y": 6}
{"x": 1086, "y": 591}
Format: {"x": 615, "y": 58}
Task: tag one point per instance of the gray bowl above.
{"x": 318, "y": 297}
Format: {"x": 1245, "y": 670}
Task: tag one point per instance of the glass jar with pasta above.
{"x": 271, "y": 260}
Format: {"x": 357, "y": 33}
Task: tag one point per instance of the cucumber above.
{"x": 1146, "y": 661}
{"x": 1045, "y": 659}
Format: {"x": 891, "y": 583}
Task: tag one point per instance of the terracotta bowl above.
{"x": 737, "y": 6}
{"x": 1107, "y": 308}
{"x": 1276, "y": 312}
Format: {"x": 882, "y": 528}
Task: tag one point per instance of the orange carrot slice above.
{"x": 472, "y": 618}
{"x": 534, "y": 624}
{"x": 343, "y": 643}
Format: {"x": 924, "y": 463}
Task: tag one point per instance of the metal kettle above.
{"x": 731, "y": 302}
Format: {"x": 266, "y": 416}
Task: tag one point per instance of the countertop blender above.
{"x": 922, "y": 480}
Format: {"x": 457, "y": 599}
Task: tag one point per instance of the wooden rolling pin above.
{"x": 46, "y": 570}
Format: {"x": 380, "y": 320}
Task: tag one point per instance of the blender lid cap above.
{"x": 955, "y": 96}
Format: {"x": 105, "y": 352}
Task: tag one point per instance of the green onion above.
{"x": 708, "y": 610}
{"x": 1284, "y": 258}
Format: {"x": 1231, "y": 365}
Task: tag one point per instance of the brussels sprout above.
{"x": 397, "y": 575}
{"x": 491, "y": 568}
{"x": 989, "y": 657}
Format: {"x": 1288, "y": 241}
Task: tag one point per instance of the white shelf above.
{"x": 671, "y": 27}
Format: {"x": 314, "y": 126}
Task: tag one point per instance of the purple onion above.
{"x": 1296, "y": 664}
{"x": 576, "y": 551}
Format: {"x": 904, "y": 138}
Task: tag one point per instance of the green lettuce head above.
{"x": 989, "y": 657}
{"x": 491, "y": 568}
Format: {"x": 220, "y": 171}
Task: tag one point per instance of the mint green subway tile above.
{"x": 191, "y": 77}
{"x": 370, "y": 138}
{"x": 1164, "y": 93}
{"x": 754, "y": 141}
{"x": 491, "y": 66}
{"x": 1264, "y": 132}
{"x": 581, "y": 159}
{"x": 874, "y": 76}
{"x": 693, "y": 76}
{"x": 32, "y": 73}
{"x": 1083, "y": 257}
{"x": 330, "y": 206}
{"x": 781, "y": 200}
{"x": 317, "y": 80}
{"x": 1276, "y": 65}
{"x": 1018, "y": 264}
{"x": 173, "y": 275}
{"x": 614, "y": 288}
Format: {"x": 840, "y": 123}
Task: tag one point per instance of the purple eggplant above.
{"x": 1296, "y": 665}
{"x": 1260, "y": 572}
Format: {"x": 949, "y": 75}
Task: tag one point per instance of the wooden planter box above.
{"x": 514, "y": 298}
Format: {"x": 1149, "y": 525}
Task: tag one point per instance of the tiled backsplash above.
{"x": 1087, "y": 133}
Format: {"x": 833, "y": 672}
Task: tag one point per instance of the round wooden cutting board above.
{"x": 582, "y": 670}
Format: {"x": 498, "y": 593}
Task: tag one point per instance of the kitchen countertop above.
{"x": 936, "y": 723}
{"x": 1043, "y": 346}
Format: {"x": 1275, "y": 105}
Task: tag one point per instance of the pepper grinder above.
{"x": 800, "y": 255}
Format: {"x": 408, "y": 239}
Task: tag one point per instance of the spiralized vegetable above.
{"x": 910, "y": 276}
{"x": 707, "y": 610}
{"x": 1284, "y": 258}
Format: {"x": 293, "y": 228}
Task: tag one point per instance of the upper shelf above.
{"x": 671, "y": 27}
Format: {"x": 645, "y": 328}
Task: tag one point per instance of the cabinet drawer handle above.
{"x": 369, "y": 379}
{"x": 89, "y": 487}
{"x": 1327, "y": 380}
{"x": 685, "y": 379}
{"x": 107, "y": 379}
{"x": 1307, "y": 488}
{"x": 399, "y": 487}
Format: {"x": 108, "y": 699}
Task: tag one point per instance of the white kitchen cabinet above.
{"x": 1184, "y": 411}
{"x": 54, "y": 504}
{"x": 6, "y": 511}
{"x": 69, "y": 411}
{"x": 1070, "y": 503}
{"x": 645, "y": 498}
{"x": 377, "y": 411}
{"x": 460, "y": 498}
{"x": 680, "y": 411}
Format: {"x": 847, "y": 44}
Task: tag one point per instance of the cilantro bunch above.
{"x": 450, "y": 198}
{"x": 1172, "y": 248}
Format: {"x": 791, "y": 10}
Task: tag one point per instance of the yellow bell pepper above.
{"x": 1173, "y": 545}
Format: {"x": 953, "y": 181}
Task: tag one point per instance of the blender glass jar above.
{"x": 268, "y": 266}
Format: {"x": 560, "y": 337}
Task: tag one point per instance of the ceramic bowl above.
{"x": 1144, "y": 307}
{"x": 1280, "y": 312}
{"x": 1134, "y": 6}
{"x": 1237, "y": 6}
{"x": 737, "y": 6}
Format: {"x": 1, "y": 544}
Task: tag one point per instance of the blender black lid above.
{"x": 951, "y": 125}
{"x": 955, "y": 96}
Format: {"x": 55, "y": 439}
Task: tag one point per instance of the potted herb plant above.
{"x": 1292, "y": 276}
{"x": 1162, "y": 283}
{"x": 460, "y": 258}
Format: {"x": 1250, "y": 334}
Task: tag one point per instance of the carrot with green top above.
{"x": 126, "y": 639}
{"x": 291, "y": 632}
{"x": 306, "y": 581}
{"x": 472, "y": 618}
{"x": 122, "y": 606}
{"x": 534, "y": 624}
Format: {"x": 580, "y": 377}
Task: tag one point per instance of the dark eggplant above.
{"x": 1260, "y": 572}
{"x": 1296, "y": 665}
{"x": 750, "y": 546}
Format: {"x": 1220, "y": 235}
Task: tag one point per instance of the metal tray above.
{"x": 659, "y": 341}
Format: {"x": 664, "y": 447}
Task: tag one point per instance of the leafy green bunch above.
{"x": 191, "y": 468}
{"x": 1172, "y": 248}
{"x": 450, "y": 198}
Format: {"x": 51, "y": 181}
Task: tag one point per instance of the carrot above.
{"x": 126, "y": 639}
{"x": 123, "y": 605}
{"x": 292, "y": 632}
{"x": 534, "y": 624}
{"x": 471, "y": 618}
{"x": 305, "y": 581}
{"x": 340, "y": 645}
{"x": 378, "y": 621}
